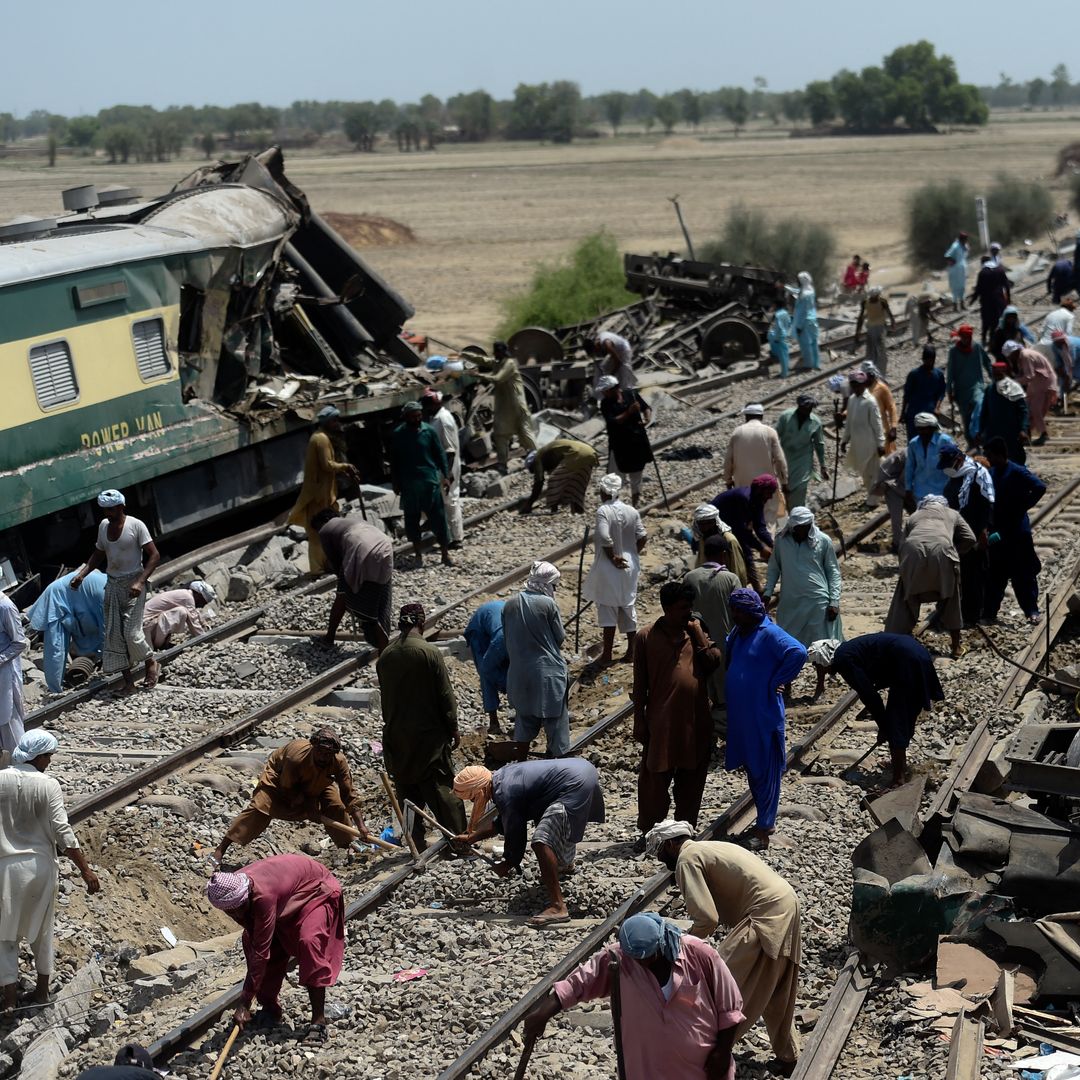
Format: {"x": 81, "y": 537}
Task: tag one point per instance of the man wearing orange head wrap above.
{"x": 559, "y": 797}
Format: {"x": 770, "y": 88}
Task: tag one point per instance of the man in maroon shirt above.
{"x": 290, "y": 907}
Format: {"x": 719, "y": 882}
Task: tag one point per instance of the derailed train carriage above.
{"x": 178, "y": 347}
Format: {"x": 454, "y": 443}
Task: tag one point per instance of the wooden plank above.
{"x": 965, "y": 1049}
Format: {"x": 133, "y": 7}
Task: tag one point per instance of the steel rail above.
{"x": 237, "y": 627}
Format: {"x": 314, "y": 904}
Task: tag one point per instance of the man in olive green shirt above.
{"x": 420, "y": 726}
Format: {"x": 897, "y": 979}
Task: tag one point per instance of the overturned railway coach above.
{"x": 178, "y": 348}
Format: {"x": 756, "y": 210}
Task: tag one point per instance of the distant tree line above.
{"x": 912, "y": 89}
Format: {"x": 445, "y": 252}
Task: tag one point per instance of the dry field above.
{"x": 483, "y": 216}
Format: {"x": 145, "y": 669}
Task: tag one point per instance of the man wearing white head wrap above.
{"x": 753, "y": 450}
{"x": 605, "y": 383}
{"x": 130, "y": 555}
{"x": 12, "y": 645}
{"x": 619, "y": 539}
{"x": 804, "y": 318}
{"x": 175, "y": 610}
{"x": 536, "y": 682}
{"x": 707, "y": 522}
{"x": 33, "y": 826}
{"x": 804, "y": 562}
{"x": 724, "y": 884}
{"x": 934, "y": 537}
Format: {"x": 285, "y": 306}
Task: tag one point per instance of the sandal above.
{"x": 541, "y": 921}
{"x": 315, "y": 1035}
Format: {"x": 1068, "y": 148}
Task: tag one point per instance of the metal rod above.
{"x": 674, "y": 200}
{"x": 616, "y": 1015}
{"x": 580, "y": 573}
{"x": 448, "y": 833}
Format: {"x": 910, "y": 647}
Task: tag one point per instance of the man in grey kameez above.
{"x": 890, "y": 483}
{"x": 536, "y": 682}
{"x": 934, "y": 538}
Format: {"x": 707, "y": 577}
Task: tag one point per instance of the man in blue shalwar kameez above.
{"x": 69, "y": 617}
{"x": 761, "y": 659}
{"x": 874, "y": 662}
{"x": 485, "y": 637}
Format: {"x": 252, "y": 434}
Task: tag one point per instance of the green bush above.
{"x": 1018, "y": 209}
{"x": 789, "y": 244}
{"x": 587, "y": 284}
{"x": 937, "y": 211}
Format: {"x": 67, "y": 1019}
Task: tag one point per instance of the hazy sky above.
{"x": 70, "y": 57}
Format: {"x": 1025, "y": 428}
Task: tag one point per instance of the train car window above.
{"x": 53, "y": 374}
{"x": 151, "y": 356}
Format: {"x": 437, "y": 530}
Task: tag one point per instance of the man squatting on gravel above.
{"x": 304, "y": 780}
{"x": 290, "y": 907}
{"x": 683, "y": 1032}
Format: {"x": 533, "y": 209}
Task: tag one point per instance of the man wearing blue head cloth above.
{"x": 680, "y": 1004}
{"x": 761, "y": 660}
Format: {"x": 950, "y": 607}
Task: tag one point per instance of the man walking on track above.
{"x": 130, "y": 556}
{"x": 754, "y": 450}
{"x": 319, "y": 491}
{"x": 613, "y": 579}
{"x": 802, "y": 438}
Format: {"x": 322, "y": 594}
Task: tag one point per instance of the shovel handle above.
{"x": 220, "y": 1063}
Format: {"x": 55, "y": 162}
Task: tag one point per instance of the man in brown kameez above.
{"x": 673, "y": 659}
{"x": 304, "y": 780}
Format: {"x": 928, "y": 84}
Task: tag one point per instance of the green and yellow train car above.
{"x": 117, "y": 325}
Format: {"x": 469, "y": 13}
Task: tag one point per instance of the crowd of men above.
{"x": 763, "y": 598}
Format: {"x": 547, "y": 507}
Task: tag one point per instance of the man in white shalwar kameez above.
{"x": 442, "y": 420}
{"x": 33, "y": 825}
{"x": 613, "y": 580}
{"x": 753, "y": 450}
{"x": 864, "y": 435}
{"x": 12, "y": 646}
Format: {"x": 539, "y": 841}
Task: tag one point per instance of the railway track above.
{"x": 240, "y": 730}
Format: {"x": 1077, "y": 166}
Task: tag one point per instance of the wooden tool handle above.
{"x": 220, "y": 1063}
{"x": 406, "y": 835}
{"x": 330, "y": 823}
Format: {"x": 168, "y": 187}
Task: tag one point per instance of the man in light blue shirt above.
{"x": 922, "y": 476}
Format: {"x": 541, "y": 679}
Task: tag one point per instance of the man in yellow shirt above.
{"x": 725, "y": 883}
{"x": 319, "y": 491}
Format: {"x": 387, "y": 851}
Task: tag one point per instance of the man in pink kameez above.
{"x": 290, "y": 906}
{"x": 680, "y": 1005}
{"x": 177, "y": 609}
{"x": 1037, "y": 376}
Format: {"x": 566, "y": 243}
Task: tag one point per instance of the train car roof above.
{"x": 200, "y": 219}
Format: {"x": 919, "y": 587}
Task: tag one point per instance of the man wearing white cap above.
{"x": 536, "y": 684}
{"x": 177, "y": 609}
{"x": 612, "y": 583}
{"x": 322, "y": 467}
{"x": 753, "y": 450}
{"x": 625, "y": 413}
{"x": 33, "y": 827}
{"x": 130, "y": 556}
{"x": 1036, "y": 375}
{"x": 12, "y": 646}
{"x": 442, "y": 420}
{"x": 922, "y": 476}
{"x": 723, "y": 883}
